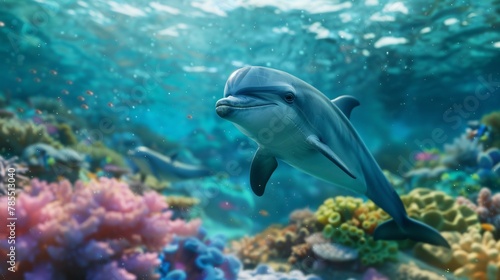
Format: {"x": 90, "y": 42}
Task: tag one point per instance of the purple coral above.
{"x": 100, "y": 230}
{"x": 198, "y": 258}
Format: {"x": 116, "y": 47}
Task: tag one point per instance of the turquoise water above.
{"x": 85, "y": 84}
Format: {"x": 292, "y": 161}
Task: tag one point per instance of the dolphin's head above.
{"x": 258, "y": 99}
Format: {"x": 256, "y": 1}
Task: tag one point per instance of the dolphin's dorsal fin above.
{"x": 263, "y": 166}
{"x": 346, "y": 103}
{"x": 327, "y": 152}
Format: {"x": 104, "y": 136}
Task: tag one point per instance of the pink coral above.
{"x": 487, "y": 207}
{"x": 90, "y": 229}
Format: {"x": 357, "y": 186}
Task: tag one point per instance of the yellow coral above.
{"x": 338, "y": 210}
{"x": 478, "y": 255}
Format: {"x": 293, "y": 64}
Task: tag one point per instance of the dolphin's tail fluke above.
{"x": 411, "y": 229}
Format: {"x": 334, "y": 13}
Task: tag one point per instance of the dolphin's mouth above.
{"x": 224, "y": 107}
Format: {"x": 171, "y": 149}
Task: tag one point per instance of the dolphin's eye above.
{"x": 289, "y": 97}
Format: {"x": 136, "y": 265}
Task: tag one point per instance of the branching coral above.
{"x": 16, "y": 135}
{"x": 487, "y": 208}
{"x": 198, "y": 257}
{"x": 101, "y": 228}
{"x": 462, "y": 153}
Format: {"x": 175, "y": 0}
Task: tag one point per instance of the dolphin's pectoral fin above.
{"x": 346, "y": 103}
{"x": 327, "y": 152}
{"x": 263, "y": 166}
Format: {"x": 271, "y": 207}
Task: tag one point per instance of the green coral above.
{"x": 16, "y": 135}
{"x": 350, "y": 221}
{"x": 100, "y": 155}
{"x": 439, "y": 210}
{"x": 371, "y": 252}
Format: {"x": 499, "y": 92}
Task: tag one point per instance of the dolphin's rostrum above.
{"x": 296, "y": 123}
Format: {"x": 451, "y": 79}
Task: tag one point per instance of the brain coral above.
{"x": 439, "y": 210}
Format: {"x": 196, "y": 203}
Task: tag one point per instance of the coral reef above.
{"x": 473, "y": 255}
{"x": 16, "y": 135}
{"x": 47, "y": 163}
{"x": 89, "y": 230}
{"x": 411, "y": 271}
{"x": 478, "y": 255}
{"x": 457, "y": 183}
{"x": 274, "y": 243}
{"x": 65, "y": 135}
{"x": 181, "y": 202}
{"x": 265, "y": 272}
{"x": 278, "y": 244}
{"x": 439, "y": 210}
{"x": 181, "y": 205}
{"x": 487, "y": 207}
{"x": 461, "y": 154}
{"x": 350, "y": 221}
{"x": 489, "y": 167}
{"x": 334, "y": 252}
{"x": 371, "y": 252}
{"x": 198, "y": 258}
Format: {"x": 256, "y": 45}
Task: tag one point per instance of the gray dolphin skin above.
{"x": 163, "y": 167}
{"x": 294, "y": 122}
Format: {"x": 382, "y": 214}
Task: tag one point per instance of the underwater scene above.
{"x": 249, "y": 139}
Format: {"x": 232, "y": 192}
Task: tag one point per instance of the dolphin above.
{"x": 149, "y": 162}
{"x": 294, "y": 122}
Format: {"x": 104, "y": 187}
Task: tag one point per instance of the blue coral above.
{"x": 198, "y": 258}
{"x": 489, "y": 164}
